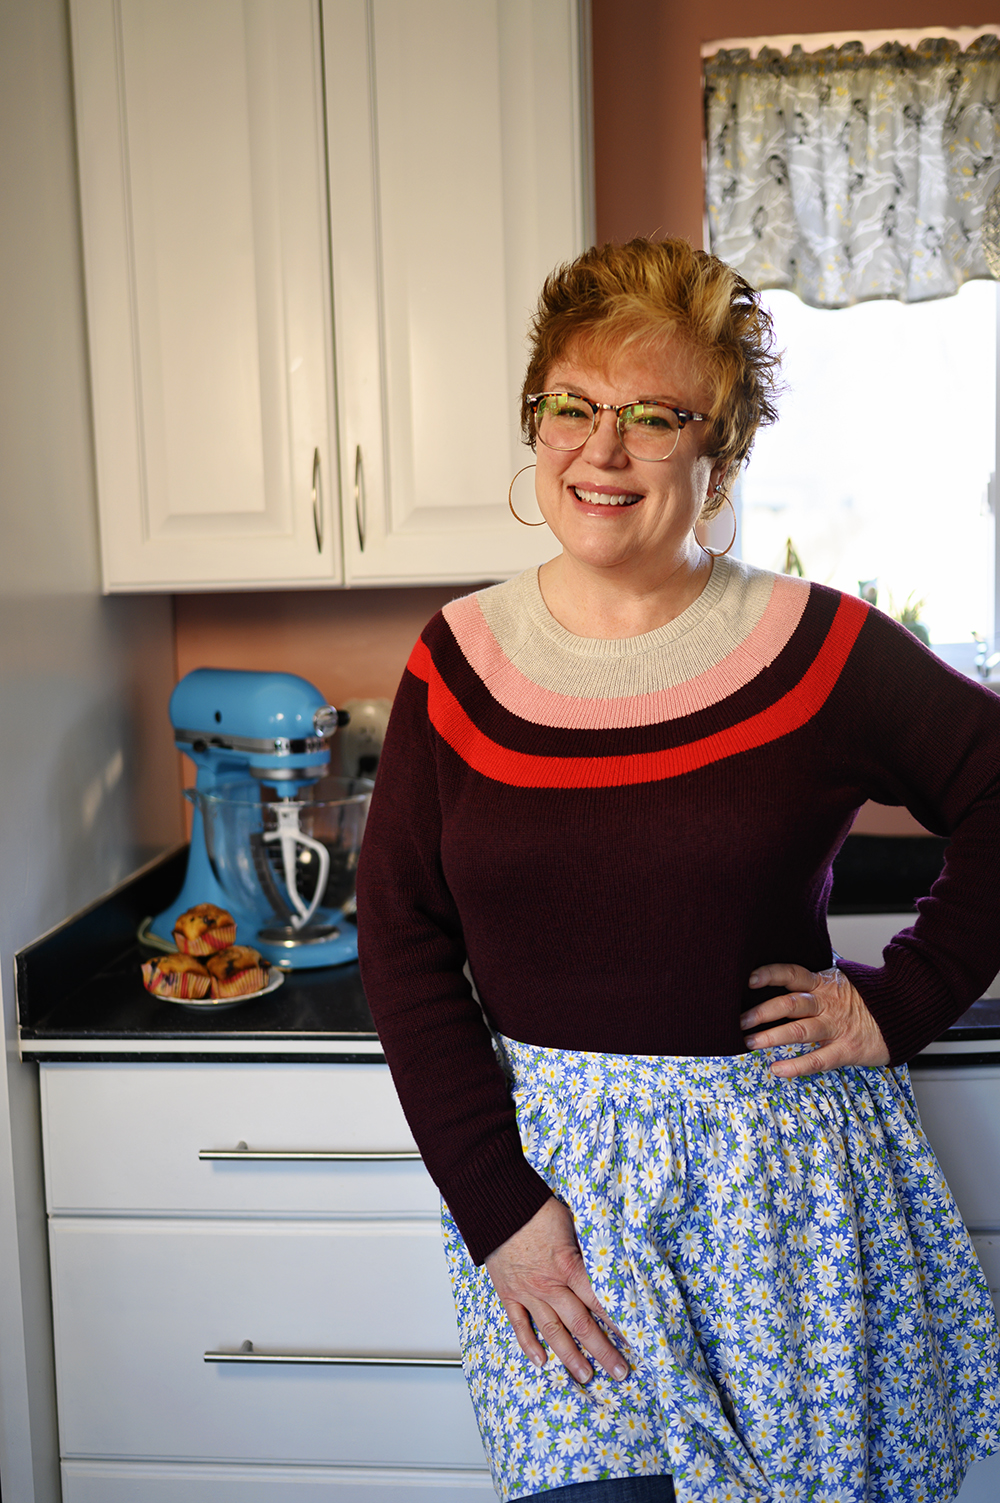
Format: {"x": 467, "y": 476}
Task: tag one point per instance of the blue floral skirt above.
{"x": 802, "y": 1308}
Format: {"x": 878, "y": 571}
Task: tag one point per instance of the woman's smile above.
{"x": 601, "y": 495}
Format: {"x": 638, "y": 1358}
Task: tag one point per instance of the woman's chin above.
{"x": 605, "y": 553}
{"x": 598, "y": 527}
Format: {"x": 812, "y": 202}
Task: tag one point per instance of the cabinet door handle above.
{"x": 242, "y": 1154}
{"x": 317, "y": 497}
{"x": 246, "y": 1353}
{"x": 360, "y": 500}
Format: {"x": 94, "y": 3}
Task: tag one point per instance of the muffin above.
{"x": 180, "y": 977}
{"x": 237, "y": 971}
{"x": 204, "y": 929}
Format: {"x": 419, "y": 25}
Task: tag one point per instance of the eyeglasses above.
{"x": 647, "y": 430}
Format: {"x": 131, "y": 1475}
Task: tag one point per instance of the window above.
{"x": 881, "y": 470}
{"x": 881, "y": 465}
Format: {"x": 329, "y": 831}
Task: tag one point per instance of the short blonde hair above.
{"x": 614, "y": 298}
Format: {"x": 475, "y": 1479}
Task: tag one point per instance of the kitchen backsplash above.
{"x": 352, "y": 644}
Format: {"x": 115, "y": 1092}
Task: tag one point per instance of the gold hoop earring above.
{"x": 510, "y": 500}
{"x": 721, "y": 552}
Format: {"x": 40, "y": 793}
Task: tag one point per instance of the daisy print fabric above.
{"x": 802, "y": 1309}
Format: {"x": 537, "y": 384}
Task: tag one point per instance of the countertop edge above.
{"x": 279, "y": 1050}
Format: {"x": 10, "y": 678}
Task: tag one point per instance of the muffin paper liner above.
{"x": 242, "y": 984}
{"x": 178, "y": 984}
{"x": 207, "y": 943}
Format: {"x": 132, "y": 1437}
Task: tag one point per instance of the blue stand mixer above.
{"x": 274, "y": 838}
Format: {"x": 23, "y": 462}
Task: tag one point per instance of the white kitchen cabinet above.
{"x": 259, "y": 421}
{"x": 165, "y": 1261}
{"x": 202, "y": 169}
{"x": 456, "y": 173}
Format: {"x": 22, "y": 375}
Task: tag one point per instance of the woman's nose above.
{"x": 604, "y": 447}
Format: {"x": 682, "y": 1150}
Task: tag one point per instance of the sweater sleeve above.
{"x": 433, "y": 1032}
{"x": 933, "y": 745}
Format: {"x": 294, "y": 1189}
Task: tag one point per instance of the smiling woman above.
{"x": 611, "y": 792}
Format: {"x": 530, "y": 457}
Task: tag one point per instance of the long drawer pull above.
{"x": 246, "y": 1353}
{"x": 242, "y": 1154}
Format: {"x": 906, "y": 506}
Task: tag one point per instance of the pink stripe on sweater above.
{"x": 512, "y": 689}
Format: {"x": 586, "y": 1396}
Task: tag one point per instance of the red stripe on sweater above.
{"x": 523, "y": 770}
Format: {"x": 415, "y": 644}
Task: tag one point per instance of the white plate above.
{"x": 277, "y": 979}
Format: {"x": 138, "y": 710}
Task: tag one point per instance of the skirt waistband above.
{"x": 573, "y": 1073}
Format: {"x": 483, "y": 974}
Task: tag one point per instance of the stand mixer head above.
{"x": 274, "y": 839}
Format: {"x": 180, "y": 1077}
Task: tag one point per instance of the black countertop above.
{"x": 80, "y": 994}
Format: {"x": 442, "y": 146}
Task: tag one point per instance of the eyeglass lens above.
{"x": 648, "y": 430}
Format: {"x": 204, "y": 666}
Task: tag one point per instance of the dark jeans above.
{"x": 616, "y": 1490}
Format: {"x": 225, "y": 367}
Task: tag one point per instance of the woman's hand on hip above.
{"x": 820, "y": 1007}
{"x": 540, "y": 1276}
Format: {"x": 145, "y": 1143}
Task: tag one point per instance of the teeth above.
{"x": 594, "y": 498}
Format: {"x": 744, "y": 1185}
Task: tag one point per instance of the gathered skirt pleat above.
{"x": 801, "y": 1306}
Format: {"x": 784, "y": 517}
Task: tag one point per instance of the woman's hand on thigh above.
{"x": 540, "y": 1276}
{"x": 820, "y": 1007}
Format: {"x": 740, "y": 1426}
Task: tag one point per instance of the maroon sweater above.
{"x": 614, "y": 834}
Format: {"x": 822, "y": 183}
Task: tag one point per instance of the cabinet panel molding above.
{"x": 200, "y": 138}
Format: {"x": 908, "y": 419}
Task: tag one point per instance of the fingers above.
{"x": 828, "y": 1011}
{"x": 800, "y": 1014}
{"x": 795, "y": 977}
{"x": 569, "y": 1332}
{"x": 525, "y": 1333}
{"x": 542, "y": 1281}
{"x": 813, "y": 1063}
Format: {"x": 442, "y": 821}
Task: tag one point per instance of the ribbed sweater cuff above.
{"x": 493, "y": 1198}
{"x": 907, "y": 1028}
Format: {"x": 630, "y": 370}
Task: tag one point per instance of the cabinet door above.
{"x": 138, "y": 1304}
{"x": 200, "y": 134}
{"x": 455, "y": 186}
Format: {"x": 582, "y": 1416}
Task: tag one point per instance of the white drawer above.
{"x": 137, "y": 1305}
{"x": 960, "y": 1111}
{"x": 988, "y": 1252}
{"x": 163, "y": 1482}
{"x": 126, "y": 1139}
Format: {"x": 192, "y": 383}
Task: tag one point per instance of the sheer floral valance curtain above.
{"x": 844, "y": 176}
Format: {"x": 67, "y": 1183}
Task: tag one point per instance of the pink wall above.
{"x": 648, "y": 123}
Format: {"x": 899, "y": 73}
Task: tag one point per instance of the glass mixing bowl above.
{"x": 286, "y": 863}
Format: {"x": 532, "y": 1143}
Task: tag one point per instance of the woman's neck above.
{"x": 609, "y": 605}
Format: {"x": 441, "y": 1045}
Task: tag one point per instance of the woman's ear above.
{"x": 717, "y": 479}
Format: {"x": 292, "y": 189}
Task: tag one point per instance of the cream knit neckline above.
{"x": 527, "y": 639}
{"x": 533, "y": 602}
